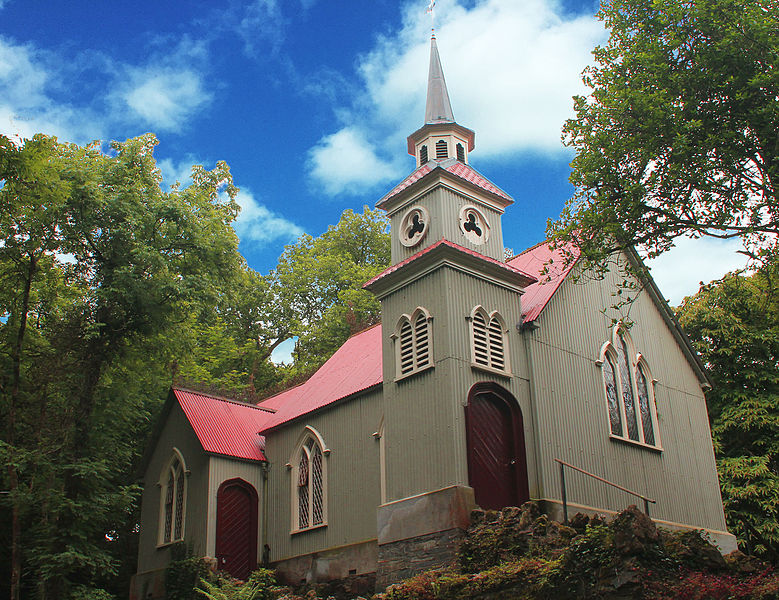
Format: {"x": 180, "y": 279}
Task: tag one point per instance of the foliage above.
{"x": 678, "y": 134}
{"x": 318, "y": 284}
{"x": 260, "y": 586}
{"x": 734, "y": 324}
{"x": 98, "y": 267}
{"x": 183, "y": 573}
{"x": 625, "y": 558}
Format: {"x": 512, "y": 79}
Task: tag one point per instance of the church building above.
{"x": 484, "y": 376}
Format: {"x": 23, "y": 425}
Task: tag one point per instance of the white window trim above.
{"x": 488, "y": 317}
{"x": 294, "y": 468}
{"x": 416, "y": 368}
{"x": 162, "y": 484}
{"x": 636, "y": 361}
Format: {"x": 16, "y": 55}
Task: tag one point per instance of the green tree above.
{"x": 734, "y": 324}
{"x": 318, "y": 284}
{"x": 98, "y": 263}
{"x": 678, "y": 133}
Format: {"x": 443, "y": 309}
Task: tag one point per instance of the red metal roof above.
{"x": 549, "y": 267}
{"x": 445, "y": 242}
{"x": 456, "y": 168}
{"x": 225, "y": 426}
{"x": 355, "y": 367}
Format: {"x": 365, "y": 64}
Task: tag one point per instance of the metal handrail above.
{"x": 564, "y": 464}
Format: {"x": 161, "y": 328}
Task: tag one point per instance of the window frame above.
{"x": 636, "y": 363}
{"x": 397, "y": 338}
{"x": 175, "y": 468}
{"x": 309, "y": 433}
{"x": 504, "y": 349}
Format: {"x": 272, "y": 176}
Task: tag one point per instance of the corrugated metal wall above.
{"x": 425, "y": 419}
{"x": 573, "y": 421}
{"x": 176, "y": 433}
{"x": 444, "y": 206}
{"x": 353, "y": 490}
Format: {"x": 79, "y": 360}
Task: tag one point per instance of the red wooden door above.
{"x": 497, "y": 468}
{"x": 236, "y": 528}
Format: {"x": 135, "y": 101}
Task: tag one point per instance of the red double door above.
{"x": 497, "y": 465}
{"x": 236, "y": 528}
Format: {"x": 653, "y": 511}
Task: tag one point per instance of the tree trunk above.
{"x": 13, "y": 474}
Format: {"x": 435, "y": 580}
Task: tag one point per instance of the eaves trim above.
{"x": 318, "y": 409}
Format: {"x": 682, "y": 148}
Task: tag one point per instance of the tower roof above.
{"x": 438, "y": 108}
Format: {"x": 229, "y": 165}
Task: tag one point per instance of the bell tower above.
{"x": 450, "y": 347}
{"x": 444, "y": 198}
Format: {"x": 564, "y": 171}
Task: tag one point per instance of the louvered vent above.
{"x": 406, "y": 348}
{"x": 422, "y": 339}
{"x": 423, "y": 155}
{"x": 460, "y": 153}
{"x": 441, "y": 150}
{"x": 480, "y": 340}
{"x": 497, "y": 357}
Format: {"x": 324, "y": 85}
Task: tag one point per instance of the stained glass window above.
{"x": 612, "y": 397}
{"x": 644, "y": 406}
{"x": 626, "y": 379}
{"x": 628, "y": 390}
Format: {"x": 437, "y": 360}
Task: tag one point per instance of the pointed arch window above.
{"x": 413, "y": 343}
{"x": 489, "y": 348}
{"x": 441, "y": 150}
{"x": 173, "y": 486}
{"x": 629, "y": 391}
{"x": 309, "y": 482}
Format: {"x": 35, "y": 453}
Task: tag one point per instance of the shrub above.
{"x": 183, "y": 573}
{"x": 260, "y": 586}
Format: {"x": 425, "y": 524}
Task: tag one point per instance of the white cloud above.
{"x": 38, "y": 95}
{"x": 180, "y": 171}
{"x": 511, "y": 69}
{"x": 165, "y": 99}
{"x": 680, "y": 271}
{"x": 345, "y": 162}
{"x": 260, "y": 226}
{"x": 26, "y": 107}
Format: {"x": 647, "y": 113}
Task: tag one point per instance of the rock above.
{"x": 579, "y": 522}
{"x": 529, "y": 513}
{"x": 694, "y": 551}
{"x": 477, "y": 517}
{"x": 742, "y": 563}
{"x": 634, "y": 532}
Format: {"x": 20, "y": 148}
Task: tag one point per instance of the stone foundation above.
{"x": 725, "y": 541}
{"x": 421, "y": 532}
{"x": 350, "y": 562}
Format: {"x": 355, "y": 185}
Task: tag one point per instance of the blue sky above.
{"x": 310, "y": 102}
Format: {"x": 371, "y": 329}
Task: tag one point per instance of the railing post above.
{"x": 565, "y": 499}
{"x": 646, "y": 506}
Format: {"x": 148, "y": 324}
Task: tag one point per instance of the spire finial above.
{"x": 430, "y": 11}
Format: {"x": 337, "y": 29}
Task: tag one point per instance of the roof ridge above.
{"x": 176, "y": 388}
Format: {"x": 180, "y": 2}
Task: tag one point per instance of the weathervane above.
{"x": 429, "y": 11}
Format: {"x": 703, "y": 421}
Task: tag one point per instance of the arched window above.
{"x": 629, "y": 390}
{"x": 460, "y": 153}
{"x": 489, "y": 349}
{"x": 173, "y": 485}
{"x": 441, "y": 150}
{"x": 309, "y": 481}
{"x": 413, "y": 343}
{"x": 423, "y": 155}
